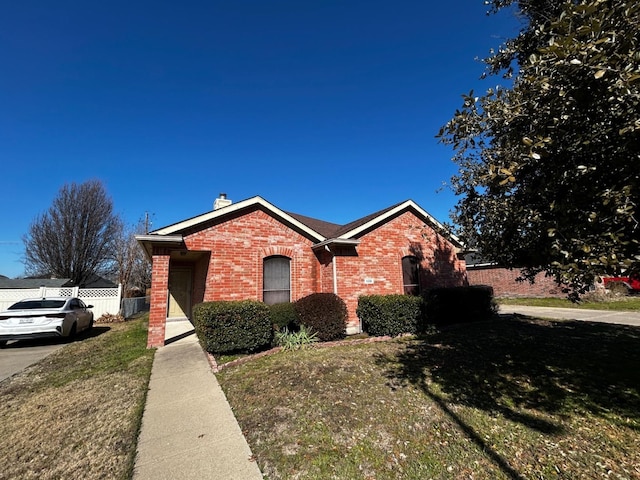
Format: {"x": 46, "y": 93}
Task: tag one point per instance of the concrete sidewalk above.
{"x": 604, "y": 316}
{"x": 188, "y": 428}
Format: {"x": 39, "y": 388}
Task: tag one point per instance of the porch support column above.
{"x": 159, "y": 296}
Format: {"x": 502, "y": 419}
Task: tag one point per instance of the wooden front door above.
{"x": 179, "y": 293}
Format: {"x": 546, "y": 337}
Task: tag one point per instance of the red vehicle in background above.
{"x": 632, "y": 284}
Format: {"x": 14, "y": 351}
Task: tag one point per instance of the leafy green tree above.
{"x": 549, "y": 162}
{"x": 75, "y": 237}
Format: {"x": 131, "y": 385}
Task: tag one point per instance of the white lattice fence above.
{"x": 104, "y": 300}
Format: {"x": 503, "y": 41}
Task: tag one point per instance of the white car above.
{"x": 45, "y": 317}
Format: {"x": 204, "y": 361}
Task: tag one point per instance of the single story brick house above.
{"x": 254, "y": 250}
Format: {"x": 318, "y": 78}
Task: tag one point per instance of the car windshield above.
{"x": 32, "y": 304}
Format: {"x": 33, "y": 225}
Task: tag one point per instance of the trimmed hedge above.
{"x": 228, "y": 327}
{"x": 445, "y": 306}
{"x": 283, "y": 315}
{"x": 325, "y": 314}
{"x": 390, "y": 315}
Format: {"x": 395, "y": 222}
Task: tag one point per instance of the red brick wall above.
{"x": 159, "y": 293}
{"x": 380, "y": 258}
{"x": 238, "y": 248}
{"x": 504, "y": 283}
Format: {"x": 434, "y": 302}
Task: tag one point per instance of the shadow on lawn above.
{"x": 512, "y": 366}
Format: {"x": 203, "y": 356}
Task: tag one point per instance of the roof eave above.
{"x": 148, "y": 241}
{"x": 350, "y": 242}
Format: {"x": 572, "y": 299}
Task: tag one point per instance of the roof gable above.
{"x": 373, "y": 221}
{"x": 234, "y": 208}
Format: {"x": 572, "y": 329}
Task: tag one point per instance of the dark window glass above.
{"x": 276, "y": 280}
{"x": 411, "y": 275}
{"x": 35, "y": 304}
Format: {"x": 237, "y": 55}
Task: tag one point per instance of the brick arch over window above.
{"x": 416, "y": 250}
{"x": 277, "y": 251}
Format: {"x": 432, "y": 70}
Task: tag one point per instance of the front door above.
{"x": 179, "y": 293}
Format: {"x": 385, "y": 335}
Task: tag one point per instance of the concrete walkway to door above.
{"x": 604, "y": 316}
{"x": 188, "y": 428}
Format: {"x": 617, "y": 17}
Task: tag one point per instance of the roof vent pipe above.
{"x": 221, "y": 201}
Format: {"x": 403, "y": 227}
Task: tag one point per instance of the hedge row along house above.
{"x": 254, "y": 250}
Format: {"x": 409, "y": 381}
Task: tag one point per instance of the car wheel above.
{"x": 72, "y": 333}
{"x": 3, "y": 343}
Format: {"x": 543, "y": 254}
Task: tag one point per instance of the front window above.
{"x": 411, "y": 275}
{"x": 276, "y": 280}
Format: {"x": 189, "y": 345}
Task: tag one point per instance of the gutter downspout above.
{"x": 334, "y": 268}
{"x": 335, "y": 275}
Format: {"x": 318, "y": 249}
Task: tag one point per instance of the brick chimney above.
{"x": 221, "y": 201}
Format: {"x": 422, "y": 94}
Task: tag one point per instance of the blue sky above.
{"x": 324, "y": 108}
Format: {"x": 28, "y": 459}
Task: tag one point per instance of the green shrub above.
{"x": 445, "y": 306}
{"x": 292, "y": 340}
{"x": 228, "y": 327}
{"x": 325, "y": 313}
{"x": 283, "y": 315}
{"x": 390, "y": 315}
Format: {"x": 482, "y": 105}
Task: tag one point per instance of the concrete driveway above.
{"x": 16, "y": 356}
{"x": 604, "y": 316}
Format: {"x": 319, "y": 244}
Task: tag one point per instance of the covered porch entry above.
{"x": 178, "y": 279}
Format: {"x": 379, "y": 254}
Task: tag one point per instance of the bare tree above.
{"x": 132, "y": 267}
{"x": 75, "y": 237}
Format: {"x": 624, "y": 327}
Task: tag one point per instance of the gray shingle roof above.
{"x": 6, "y": 283}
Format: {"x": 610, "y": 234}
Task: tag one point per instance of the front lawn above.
{"x": 506, "y": 399}
{"x": 631, "y": 303}
{"x": 76, "y": 414}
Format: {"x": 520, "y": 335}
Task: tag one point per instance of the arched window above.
{"x": 411, "y": 275}
{"x": 276, "y": 276}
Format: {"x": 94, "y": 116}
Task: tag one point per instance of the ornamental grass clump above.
{"x": 292, "y": 340}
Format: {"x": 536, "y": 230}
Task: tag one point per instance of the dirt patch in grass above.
{"x": 76, "y": 414}
{"x": 502, "y": 399}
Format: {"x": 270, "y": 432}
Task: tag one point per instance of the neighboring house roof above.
{"x": 477, "y": 260}
{"x": 319, "y": 230}
{"x": 7, "y": 283}
{"x": 94, "y": 281}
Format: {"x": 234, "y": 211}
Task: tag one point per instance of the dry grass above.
{"x": 595, "y": 301}
{"x": 76, "y": 414}
{"x": 505, "y": 399}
